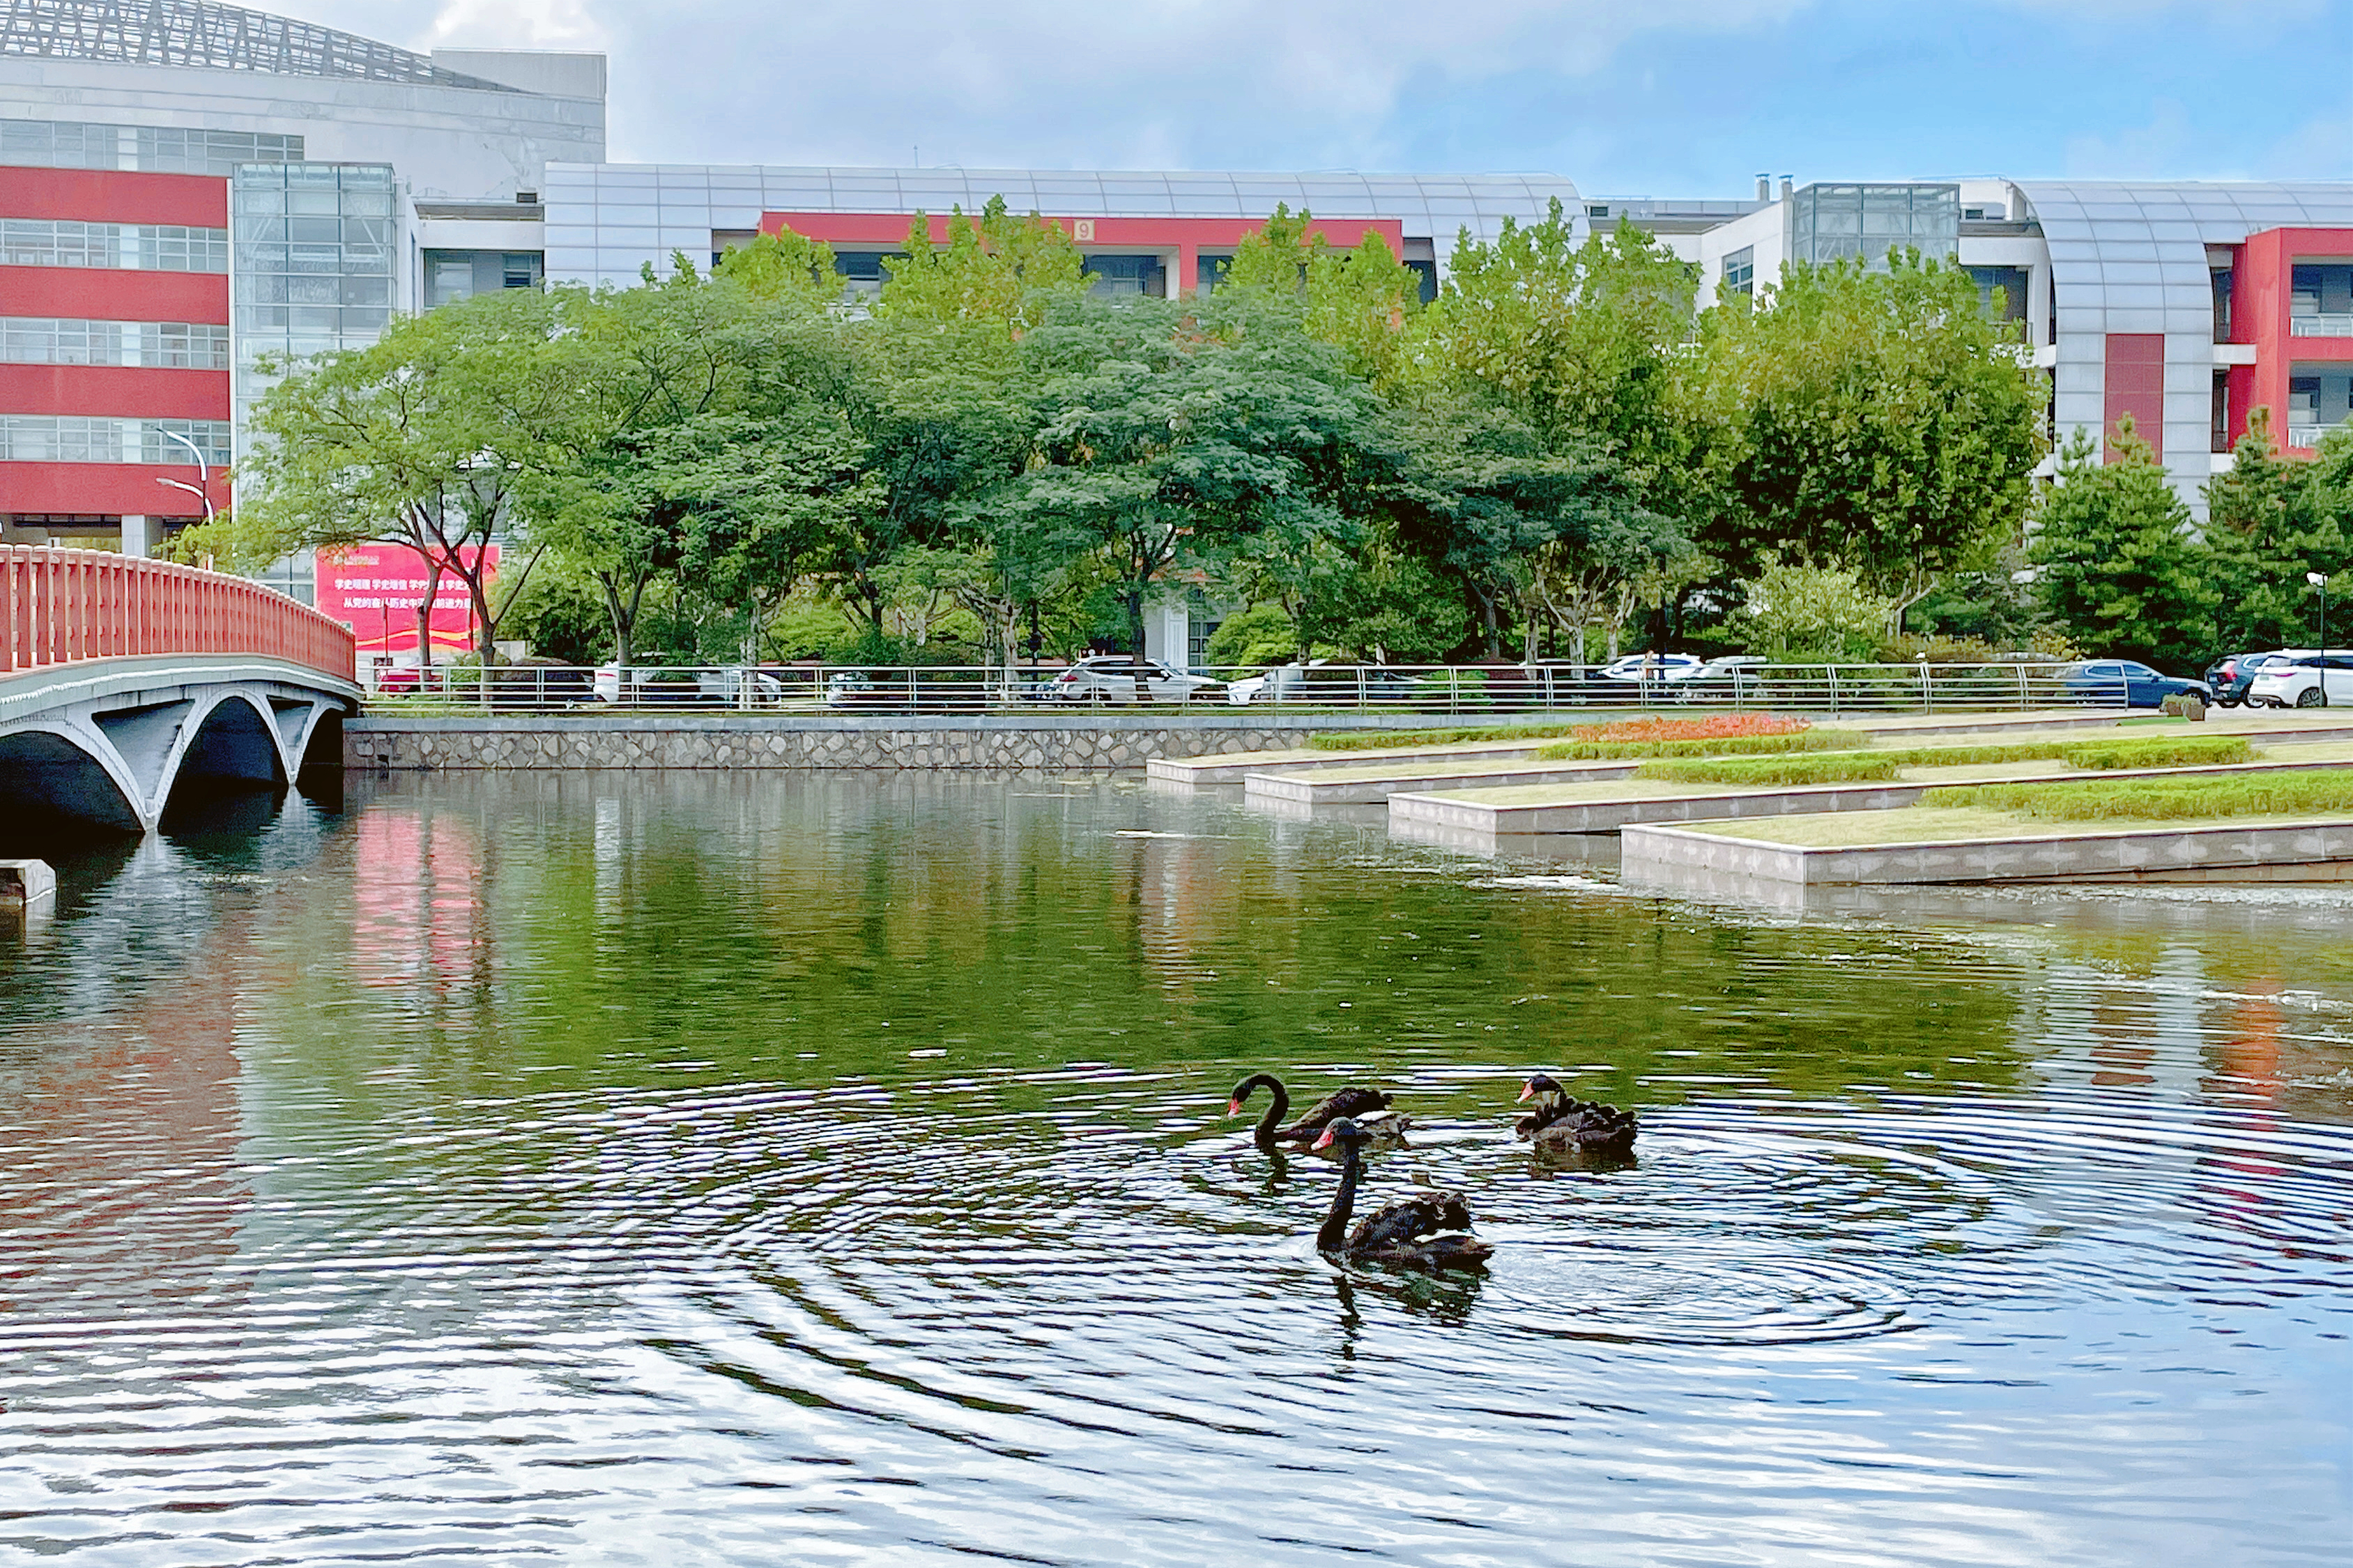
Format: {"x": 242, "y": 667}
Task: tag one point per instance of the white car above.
{"x": 2312, "y": 680}
{"x": 1639, "y": 666}
{"x": 1111, "y": 677}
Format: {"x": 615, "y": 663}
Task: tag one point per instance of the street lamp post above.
{"x": 2319, "y": 580}
{"x": 202, "y": 489}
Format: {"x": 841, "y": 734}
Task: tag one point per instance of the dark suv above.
{"x": 2231, "y": 673}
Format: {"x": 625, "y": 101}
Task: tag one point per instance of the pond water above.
{"x": 833, "y": 1169}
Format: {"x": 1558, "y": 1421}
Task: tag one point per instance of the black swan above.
{"x": 1561, "y": 1123}
{"x": 1430, "y": 1232}
{"x": 1367, "y": 1105}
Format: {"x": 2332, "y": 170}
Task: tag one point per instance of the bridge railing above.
{"x": 62, "y": 606}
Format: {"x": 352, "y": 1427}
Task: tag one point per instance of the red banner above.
{"x": 375, "y": 589}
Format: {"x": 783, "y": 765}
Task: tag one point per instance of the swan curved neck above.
{"x": 1276, "y": 1109}
{"x": 1344, "y": 1202}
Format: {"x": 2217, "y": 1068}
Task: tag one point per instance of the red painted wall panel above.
{"x": 2135, "y": 386}
{"x": 114, "y": 294}
{"x": 118, "y": 391}
{"x": 107, "y": 490}
{"x": 2262, "y": 304}
{"x": 108, "y": 195}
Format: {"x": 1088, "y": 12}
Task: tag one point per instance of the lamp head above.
{"x": 2318, "y": 579}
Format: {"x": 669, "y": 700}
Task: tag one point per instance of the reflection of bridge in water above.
{"x": 121, "y": 678}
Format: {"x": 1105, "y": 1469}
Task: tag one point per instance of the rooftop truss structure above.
{"x": 212, "y": 37}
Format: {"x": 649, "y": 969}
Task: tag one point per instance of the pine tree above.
{"x": 2268, "y": 523}
{"x": 2117, "y": 566}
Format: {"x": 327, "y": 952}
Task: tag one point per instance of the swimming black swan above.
{"x": 1430, "y": 1232}
{"x": 1365, "y": 1104}
{"x": 1561, "y": 1123}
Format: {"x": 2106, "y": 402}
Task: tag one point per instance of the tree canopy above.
{"x": 994, "y": 454}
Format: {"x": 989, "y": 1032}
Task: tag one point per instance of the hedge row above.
{"x": 1624, "y": 731}
{"x": 2241, "y": 794}
{"x": 1837, "y": 768}
{"x": 1803, "y": 740}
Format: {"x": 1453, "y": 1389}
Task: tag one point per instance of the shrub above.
{"x": 1848, "y": 767}
{"x": 1382, "y": 740}
{"x": 2159, "y": 751}
{"x": 1732, "y": 745}
{"x": 2244, "y": 795}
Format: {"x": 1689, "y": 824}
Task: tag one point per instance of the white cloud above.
{"x": 1042, "y": 82}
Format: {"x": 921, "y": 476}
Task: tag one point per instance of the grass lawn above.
{"x": 1939, "y": 824}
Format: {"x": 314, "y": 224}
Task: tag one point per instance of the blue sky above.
{"x": 1625, "y": 97}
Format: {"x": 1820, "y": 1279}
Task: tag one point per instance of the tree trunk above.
{"x": 624, "y": 620}
{"x": 1136, "y": 665}
{"x": 425, "y": 609}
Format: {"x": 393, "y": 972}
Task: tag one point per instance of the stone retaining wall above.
{"x": 973, "y": 741}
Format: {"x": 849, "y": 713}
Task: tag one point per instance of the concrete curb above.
{"x": 1683, "y": 858}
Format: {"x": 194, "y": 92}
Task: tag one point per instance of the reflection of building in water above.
{"x": 2112, "y": 1031}
{"x": 417, "y": 919}
{"x": 122, "y": 1131}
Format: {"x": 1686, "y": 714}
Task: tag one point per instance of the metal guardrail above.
{"x": 1440, "y": 690}
{"x": 63, "y": 607}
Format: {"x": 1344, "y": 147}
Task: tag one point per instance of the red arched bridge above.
{"x": 122, "y": 678}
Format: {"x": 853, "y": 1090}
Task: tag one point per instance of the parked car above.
{"x": 1319, "y": 681}
{"x": 1111, "y": 677}
{"x": 2232, "y": 676}
{"x": 2105, "y": 681}
{"x": 1720, "y": 679}
{"x": 868, "y": 689}
{"x": 2304, "y": 680}
{"x": 538, "y": 683}
{"x": 411, "y": 679}
{"x": 1654, "y": 667}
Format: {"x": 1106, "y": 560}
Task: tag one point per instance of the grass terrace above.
{"x": 1625, "y": 731}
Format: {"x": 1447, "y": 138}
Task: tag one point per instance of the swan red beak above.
{"x": 1324, "y": 1141}
{"x": 1527, "y": 1091}
{"x": 1233, "y": 1108}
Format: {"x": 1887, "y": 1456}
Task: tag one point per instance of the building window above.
{"x": 862, "y": 271}
{"x": 1865, "y": 223}
{"x": 1739, "y": 274}
{"x": 171, "y": 345}
{"x": 2320, "y": 301}
{"x": 138, "y": 247}
{"x": 1427, "y": 271}
{"x": 2001, "y": 292}
{"x": 461, "y": 274}
{"x": 2221, "y": 412}
{"x": 1596, "y": 209}
{"x": 1127, "y": 276}
{"x": 62, "y": 438}
{"x": 2222, "y": 278}
{"x": 2319, "y": 400}
{"x": 1209, "y": 271}
{"x": 65, "y": 144}
{"x": 317, "y": 254}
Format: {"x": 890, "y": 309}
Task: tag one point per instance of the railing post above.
{"x": 1832, "y": 670}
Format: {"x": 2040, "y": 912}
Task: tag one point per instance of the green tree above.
{"x": 782, "y": 266}
{"x": 2269, "y": 522}
{"x": 1877, "y": 420}
{"x": 993, "y": 267}
{"x": 1478, "y": 493}
{"x": 1812, "y": 613}
{"x": 1583, "y": 341}
{"x": 428, "y": 438}
{"x": 2116, "y": 562}
{"x": 1364, "y": 300}
{"x": 1167, "y": 448}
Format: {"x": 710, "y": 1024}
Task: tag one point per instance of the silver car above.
{"x": 1111, "y": 677}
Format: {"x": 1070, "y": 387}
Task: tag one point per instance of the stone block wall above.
{"x": 1074, "y": 743}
